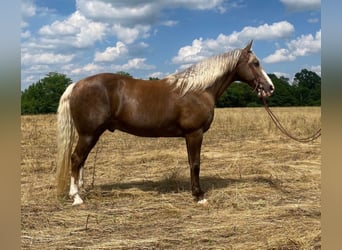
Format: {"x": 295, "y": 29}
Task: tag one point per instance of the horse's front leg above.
{"x": 193, "y": 144}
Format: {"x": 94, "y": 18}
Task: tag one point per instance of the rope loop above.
{"x": 284, "y": 131}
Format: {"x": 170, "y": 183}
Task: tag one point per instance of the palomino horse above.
{"x": 180, "y": 105}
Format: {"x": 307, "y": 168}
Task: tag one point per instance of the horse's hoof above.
{"x": 77, "y": 200}
{"x": 203, "y": 202}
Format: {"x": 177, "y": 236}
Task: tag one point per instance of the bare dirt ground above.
{"x": 263, "y": 188}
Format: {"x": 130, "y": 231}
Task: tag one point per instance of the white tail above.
{"x": 65, "y": 140}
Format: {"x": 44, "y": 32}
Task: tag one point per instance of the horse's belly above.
{"x": 142, "y": 117}
{"x": 150, "y": 130}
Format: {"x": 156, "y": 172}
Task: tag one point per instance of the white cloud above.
{"x": 280, "y": 55}
{"x": 129, "y": 35}
{"x": 45, "y": 58}
{"x": 141, "y": 45}
{"x": 39, "y": 68}
{"x": 302, "y": 5}
{"x": 306, "y": 44}
{"x": 136, "y": 63}
{"x": 70, "y": 26}
{"x": 132, "y": 20}
{"x": 267, "y": 32}
{"x": 169, "y": 23}
{"x": 93, "y": 68}
{"x": 88, "y": 69}
{"x": 29, "y": 78}
{"x": 196, "y": 4}
{"x": 201, "y": 49}
{"x": 33, "y": 73}
{"x": 111, "y": 53}
{"x": 34, "y": 45}
{"x": 317, "y": 69}
{"x": 131, "y": 13}
{"x": 128, "y": 13}
{"x": 282, "y": 74}
{"x": 191, "y": 53}
{"x": 302, "y": 46}
{"x": 158, "y": 74}
{"x": 313, "y": 20}
{"x": 25, "y": 34}
{"x": 76, "y": 30}
{"x": 28, "y": 9}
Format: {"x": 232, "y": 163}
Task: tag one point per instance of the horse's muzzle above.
{"x": 264, "y": 91}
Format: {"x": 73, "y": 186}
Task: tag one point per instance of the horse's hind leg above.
{"x": 84, "y": 145}
{"x": 193, "y": 143}
{"x": 80, "y": 176}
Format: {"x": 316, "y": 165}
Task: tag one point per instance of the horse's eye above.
{"x": 256, "y": 64}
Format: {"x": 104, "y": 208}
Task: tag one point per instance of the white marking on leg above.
{"x": 73, "y": 187}
{"x": 74, "y": 193}
{"x": 80, "y": 178}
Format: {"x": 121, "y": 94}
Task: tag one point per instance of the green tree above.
{"x": 283, "y": 95}
{"x": 153, "y": 78}
{"x": 307, "y": 88}
{"x": 238, "y": 95}
{"x": 43, "y": 96}
{"x": 123, "y": 73}
{"x": 305, "y": 91}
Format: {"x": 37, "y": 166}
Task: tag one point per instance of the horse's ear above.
{"x": 248, "y": 48}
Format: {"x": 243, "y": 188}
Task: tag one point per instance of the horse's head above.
{"x": 249, "y": 70}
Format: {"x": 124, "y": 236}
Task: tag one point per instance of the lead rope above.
{"x": 284, "y": 131}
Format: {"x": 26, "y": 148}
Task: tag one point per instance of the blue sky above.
{"x": 158, "y": 37}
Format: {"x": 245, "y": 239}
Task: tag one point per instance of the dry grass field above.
{"x": 263, "y": 188}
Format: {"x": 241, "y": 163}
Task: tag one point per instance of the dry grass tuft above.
{"x": 263, "y": 188}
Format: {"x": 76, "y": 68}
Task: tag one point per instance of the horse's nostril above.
{"x": 271, "y": 88}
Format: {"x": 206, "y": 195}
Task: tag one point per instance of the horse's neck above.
{"x": 221, "y": 85}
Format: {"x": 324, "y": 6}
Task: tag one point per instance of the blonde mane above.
{"x": 202, "y": 75}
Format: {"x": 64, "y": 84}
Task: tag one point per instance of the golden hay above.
{"x": 263, "y": 188}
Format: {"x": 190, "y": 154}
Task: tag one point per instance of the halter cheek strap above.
{"x": 256, "y": 77}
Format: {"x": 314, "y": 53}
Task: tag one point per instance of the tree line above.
{"x": 305, "y": 90}
{"x": 43, "y": 96}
